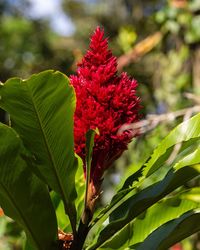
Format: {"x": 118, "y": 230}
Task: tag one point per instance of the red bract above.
{"x": 105, "y": 101}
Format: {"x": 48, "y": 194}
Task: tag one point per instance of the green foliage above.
{"x": 46, "y": 103}
{"x": 129, "y": 203}
{"x": 142, "y": 200}
{"x": 164, "y": 74}
{"x": 174, "y": 20}
{"x": 22, "y": 195}
{"x": 126, "y": 38}
{"x": 38, "y": 150}
{"x": 89, "y": 149}
{"x": 41, "y": 112}
{"x": 186, "y": 133}
{"x": 160, "y": 213}
{"x": 172, "y": 232}
{"x": 80, "y": 187}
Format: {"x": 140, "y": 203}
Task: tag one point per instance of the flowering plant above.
{"x": 105, "y": 101}
{"x": 64, "y": 134}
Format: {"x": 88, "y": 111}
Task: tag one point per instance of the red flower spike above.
{"x": 105, "y": 101}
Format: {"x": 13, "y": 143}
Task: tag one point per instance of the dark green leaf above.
{"x": 41, "y": 110}
{"x": 172, "y": 232}
{"x": 23, "y": 196}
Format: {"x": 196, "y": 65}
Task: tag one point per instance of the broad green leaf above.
{"x": 190, "y": 159}
{"x": 186, "y": 133}
{"x": 41, "y": 110}
{"x": 139, "y": 202}
{"x": 23, "y": 196}
{"x": 172, "y": 232}
{"x": 137, "y": 230}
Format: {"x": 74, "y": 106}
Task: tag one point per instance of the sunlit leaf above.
{"x": 137, "y": 230}
{"x": 172, "y": 232}
{"x": 186, "y": 133}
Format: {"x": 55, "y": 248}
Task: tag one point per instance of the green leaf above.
{"x": 23, "y": 196}
{"x": 62, "y": 219}
{"x": 186, "y": 133}
{"x": 80, "y": 187}
{"x": 154, "y": 217}
{"x": 137, "y": 230}
{"x": 172, "y": 232}
{"x": 27, "y": 245}
{"x": 190, "y": 159}
{"x": 139, "y": 202}
{"x": 41, "y": 110}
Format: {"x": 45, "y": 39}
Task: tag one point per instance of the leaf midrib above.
{"x": 46, "y": 142}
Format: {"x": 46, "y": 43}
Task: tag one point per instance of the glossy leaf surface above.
{"x": 160, "y": 213}
{"x": 172, "y": 232}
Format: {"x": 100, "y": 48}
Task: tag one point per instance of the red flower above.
{"x": 105, "y": 101}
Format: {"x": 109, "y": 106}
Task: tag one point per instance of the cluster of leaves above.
{"x": 183, "y": 19}
{"x": 37, "y": 155}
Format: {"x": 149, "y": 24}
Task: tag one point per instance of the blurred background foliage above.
{"x": 157, "y": 42}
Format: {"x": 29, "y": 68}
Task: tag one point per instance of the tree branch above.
{"x": 154, "y": 120}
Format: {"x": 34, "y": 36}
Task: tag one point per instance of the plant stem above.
{"x": 81, "y": 236}
{"x": 93, "y": 192}
{"x": 83, "y": 230}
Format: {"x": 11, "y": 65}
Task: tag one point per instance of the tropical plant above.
{"x": 53, "y": 157}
